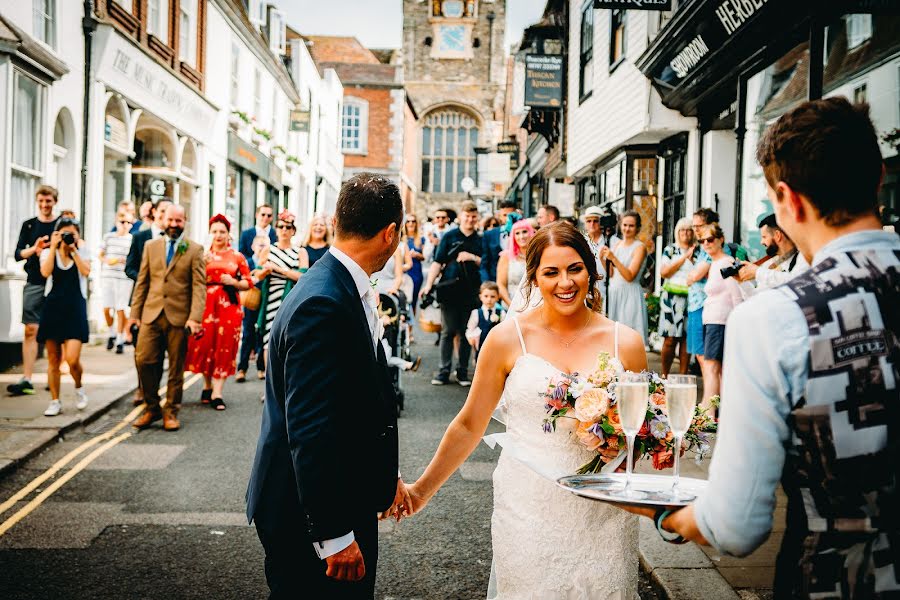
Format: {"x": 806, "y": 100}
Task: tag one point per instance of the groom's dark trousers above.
{"x": 326, "y": 461}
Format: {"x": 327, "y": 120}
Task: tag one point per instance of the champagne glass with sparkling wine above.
{"x": 681, "y": 399}
{"x": 632, "y": 396}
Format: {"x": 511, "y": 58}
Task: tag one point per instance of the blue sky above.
{"x": 378, "y": 23}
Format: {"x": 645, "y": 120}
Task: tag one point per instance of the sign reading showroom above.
{"x": 543, "y": 80}
{"x": 635, "y": 4}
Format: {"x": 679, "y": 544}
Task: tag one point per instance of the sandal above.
{"x": 260, "y": 375}
{"x": 218, "y": 404}
{"x": 205, "y": 396}
{"x": 241, "y": 377}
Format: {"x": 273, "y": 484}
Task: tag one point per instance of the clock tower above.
{"x": 454, "y": 67}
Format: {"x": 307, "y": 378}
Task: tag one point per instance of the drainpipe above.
{"x": 88, "y": 26}
{"x": 740, "y": 131}
{"x": 490, "y": 17}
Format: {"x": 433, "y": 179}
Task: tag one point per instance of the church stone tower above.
{"x": 454, "y": 72}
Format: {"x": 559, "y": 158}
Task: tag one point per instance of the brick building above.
{"x": 377, "y": 115}
{"x": 455, "y": 74}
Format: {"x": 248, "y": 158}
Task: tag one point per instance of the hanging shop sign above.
{"x": 635, "y": 4}
{"x": 508, "y": 147}
{"x": 543, "y": 80}
{"x": 300, "y": 121}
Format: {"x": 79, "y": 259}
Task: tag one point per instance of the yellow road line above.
{"x": 39, "y": 499}
{"x": 65, "y": 460}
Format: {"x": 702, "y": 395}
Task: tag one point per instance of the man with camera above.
{"x": 33, "y": 239}
{"x": 787, "y": 263}
{"x": 600, "y": 232}
{"x": 457, "y": 261}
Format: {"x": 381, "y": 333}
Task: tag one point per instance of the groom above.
{"x": 326, "y": 462}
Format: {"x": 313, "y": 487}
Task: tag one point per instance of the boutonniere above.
{"x": 182, "y": 247}
{"x": 495, "y": 318}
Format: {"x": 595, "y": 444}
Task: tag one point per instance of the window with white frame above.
{"x": 257, "y": 13}
{"x": 235, "y": 70}
{"x": 586, "y": 53}
{"x": 187, "y": 32}
{"x": 45, "y": 21}
{"x": 26, "y": 166}
{"x": 355, "y": 126}
{"x": 859, "y": 29}
{"x": 276, "y": 31}
{"x": 449, "y": 139}
{"x": 257, "y": 93}
{"x": 158, "y": 19}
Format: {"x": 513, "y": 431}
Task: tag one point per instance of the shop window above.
{"x": 233, "y": 195}
{"x": 860, "y": 94}
{"x": 586, "y": 54}
{"x": 235, "y": 71}
{"x": 617, "y": 32}
{"x": 45, "y": 21}
{"x": 674, "y": 205}
{"x": 611, "y": 186}
{"x": 158, "y": 19}
{"x": 153, "y": 149}
{"x": 449, "y": 139}
{"x": 355, "y": 126}
{"x": 27, "y": 148}
{"x": 187, "y": 32}
{"x": 859, "y": 29}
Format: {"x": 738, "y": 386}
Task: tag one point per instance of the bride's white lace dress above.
{"x": 548, "y": 543}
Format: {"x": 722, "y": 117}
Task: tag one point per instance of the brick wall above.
{"x": 378, "y": 155}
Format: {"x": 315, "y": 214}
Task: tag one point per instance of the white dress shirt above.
{"x": 768, "y": 278}
{"x": 155, "y": 232}
{"x": 263, "y": 230}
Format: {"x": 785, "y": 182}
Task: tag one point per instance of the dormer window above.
{"x": 256, "y": 10}
{"x": 276, "y": 31}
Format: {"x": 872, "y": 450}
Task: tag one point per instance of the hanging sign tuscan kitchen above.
{"x": 635, "y": 4}
{"x": 543, "y": 80}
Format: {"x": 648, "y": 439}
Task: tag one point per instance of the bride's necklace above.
{"x": 557, "y": 336}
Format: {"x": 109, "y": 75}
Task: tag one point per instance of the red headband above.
{"x": 220, "y": 218}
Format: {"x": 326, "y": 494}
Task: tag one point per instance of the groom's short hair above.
{"x": 367, "y": 204}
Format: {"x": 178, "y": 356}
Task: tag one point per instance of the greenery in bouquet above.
{"x": 590, "y": 401}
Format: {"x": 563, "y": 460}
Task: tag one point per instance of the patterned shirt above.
{"x": 115, "y": 246}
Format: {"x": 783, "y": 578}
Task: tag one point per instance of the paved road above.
{"x": 161, "y": 514}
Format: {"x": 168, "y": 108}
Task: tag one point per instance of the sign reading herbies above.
{"x": 543, "y": 80}
{"x": 300, "y": 121}
{"x": 635, "y": 4}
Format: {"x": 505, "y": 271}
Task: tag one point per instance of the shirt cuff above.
{"x": 330, "y": 547}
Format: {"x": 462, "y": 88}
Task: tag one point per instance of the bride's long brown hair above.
{"x": 564, "y": 234}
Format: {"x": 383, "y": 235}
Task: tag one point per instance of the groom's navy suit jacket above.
{"x": 328, "y": 443}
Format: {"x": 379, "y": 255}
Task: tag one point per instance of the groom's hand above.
{"x": 346, "y": 565}
{"x": 402, "y": 504}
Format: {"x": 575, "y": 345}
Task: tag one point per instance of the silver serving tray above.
{"x": 658, "y": 488}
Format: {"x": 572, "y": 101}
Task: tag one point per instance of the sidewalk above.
{"x": 679, "y": 572}
{"x": 25, "y": 431}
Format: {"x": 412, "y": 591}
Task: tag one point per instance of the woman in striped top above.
{"x": 281, "y": 269}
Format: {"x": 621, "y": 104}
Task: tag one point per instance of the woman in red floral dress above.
{"x": 213, "y": 352}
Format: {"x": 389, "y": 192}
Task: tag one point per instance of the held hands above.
{"x": 194, "y": 326}
{"x": 346, "y": 565}
{"x": 400, "y": 507}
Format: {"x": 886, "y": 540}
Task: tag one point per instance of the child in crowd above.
{"x": 260, "y": 248}
{"x": 483, "y": 319}
{"x": 395, "y": 361}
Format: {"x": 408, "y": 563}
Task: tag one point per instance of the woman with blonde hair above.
{"x": 677, "y": 263}
{"x": 317, "y": 239}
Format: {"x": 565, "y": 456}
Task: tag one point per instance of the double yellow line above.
{"x": 109, "y": 438}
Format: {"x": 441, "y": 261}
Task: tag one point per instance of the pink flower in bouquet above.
{"x": 555, "y": 404}
{"x": 613, "y": 416}
{"x": 644, "y": 431}
{"x": 658, "y": 398}
{"x": 592, "y": 405}
{"x": 663, "y": 460}
{"x": 587, "y": 437}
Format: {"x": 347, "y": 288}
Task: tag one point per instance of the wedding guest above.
{"x": 145, "y": 214}
{"x": 722, "y": 295}
{"x": 169, "y": 299}
{"x": 511, "y": 267}
{"x": 264, "y": 215}
{"x": 786, "y": 263}
{"x": 390, "y": 280}
{"x": 484, "y": 318}
{"x": 114, "y": 282}
{"x": 628, "y": 259}
{"x": 674, "y": 268}
{"x": 598, "y": 237}
{"x": 66, "y": 264}
{"x": 440, "y": 225}
{"x": 831, "y": 446}
{"x": 496, "y": 240}
{"x": 281, "y": 269}
{"x": 317, "y": 240}
{"x": 213, "y": 351}
{"x": 547, "y": 214}
{"x": 34, "y": 238}
{"x": 250, "y": 339}
{"x": 415, "y": 245}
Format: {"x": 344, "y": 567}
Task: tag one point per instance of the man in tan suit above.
{"x": 168, "y": 300}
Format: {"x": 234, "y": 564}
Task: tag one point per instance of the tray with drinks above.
{"x": 646, "y": 489}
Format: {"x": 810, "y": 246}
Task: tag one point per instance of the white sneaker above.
{"x": 82, "y": 401}
{"x": 53, "y": 409}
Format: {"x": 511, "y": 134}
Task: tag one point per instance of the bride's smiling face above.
{"x": 563, "y": 279}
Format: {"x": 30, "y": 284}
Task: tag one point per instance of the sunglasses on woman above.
{"x": 708, "y": 240}
{"x": 284, "y": 227}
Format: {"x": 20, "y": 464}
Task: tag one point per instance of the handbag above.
{"x": 251, "y": 299}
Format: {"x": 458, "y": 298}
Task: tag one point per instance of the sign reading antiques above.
{"x": 635, "y": 4}
{"x": 543, "y": 80}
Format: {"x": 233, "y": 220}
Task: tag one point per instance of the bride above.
{"x": 547, "y": 543}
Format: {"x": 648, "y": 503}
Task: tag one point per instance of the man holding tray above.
{"x": 811, "y": 399}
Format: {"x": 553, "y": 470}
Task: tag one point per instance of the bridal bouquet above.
{"x": 591, "y": 402}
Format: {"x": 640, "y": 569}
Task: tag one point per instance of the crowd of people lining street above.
{"x": 210, "y": 308}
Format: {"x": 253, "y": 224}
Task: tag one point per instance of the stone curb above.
{"x": 34, "y": 438}
{"x": 677, "y": 572}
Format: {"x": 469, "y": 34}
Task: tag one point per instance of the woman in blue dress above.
{"x": 416, "y": 244}
{"x": 628, "y": 258}
{"x": 317, "y": 240}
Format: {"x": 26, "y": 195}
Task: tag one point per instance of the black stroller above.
{"x": 396, "y": 333}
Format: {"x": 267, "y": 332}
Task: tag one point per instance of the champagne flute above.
{"x": 681, "y": 400}
{"x": 632, "y": 397}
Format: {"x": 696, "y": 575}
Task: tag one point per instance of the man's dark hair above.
{"x": 552, "y": 211}
{"x": 828, "y": 151}
{"x": 769, "y": 222}
{"x": 708, "y": 215}
{"x": 506, "y": 204}
{"x": 367, "y": 204}
{"x": 262, "y": 206}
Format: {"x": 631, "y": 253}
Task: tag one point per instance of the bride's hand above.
{"x": 400, "y": 507}
{"x": 418, "y": 499}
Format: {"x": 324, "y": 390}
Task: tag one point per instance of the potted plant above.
{"x": 238, "y": 119}
{"x": 279, "y": 149}
{"x": 261, "y": 135}
{"x": 291, "y": 161}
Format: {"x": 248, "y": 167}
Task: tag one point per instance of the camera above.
{"x": 731, "y": 271}
{"x": 68, "y": 238}
{"x": 427, "y": 300}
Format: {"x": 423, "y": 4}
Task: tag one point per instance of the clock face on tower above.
{"x": 453, "y": 8}
{"x": 452, "y": 38}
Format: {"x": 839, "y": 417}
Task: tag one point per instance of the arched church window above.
{"x": 449, "y": 138}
